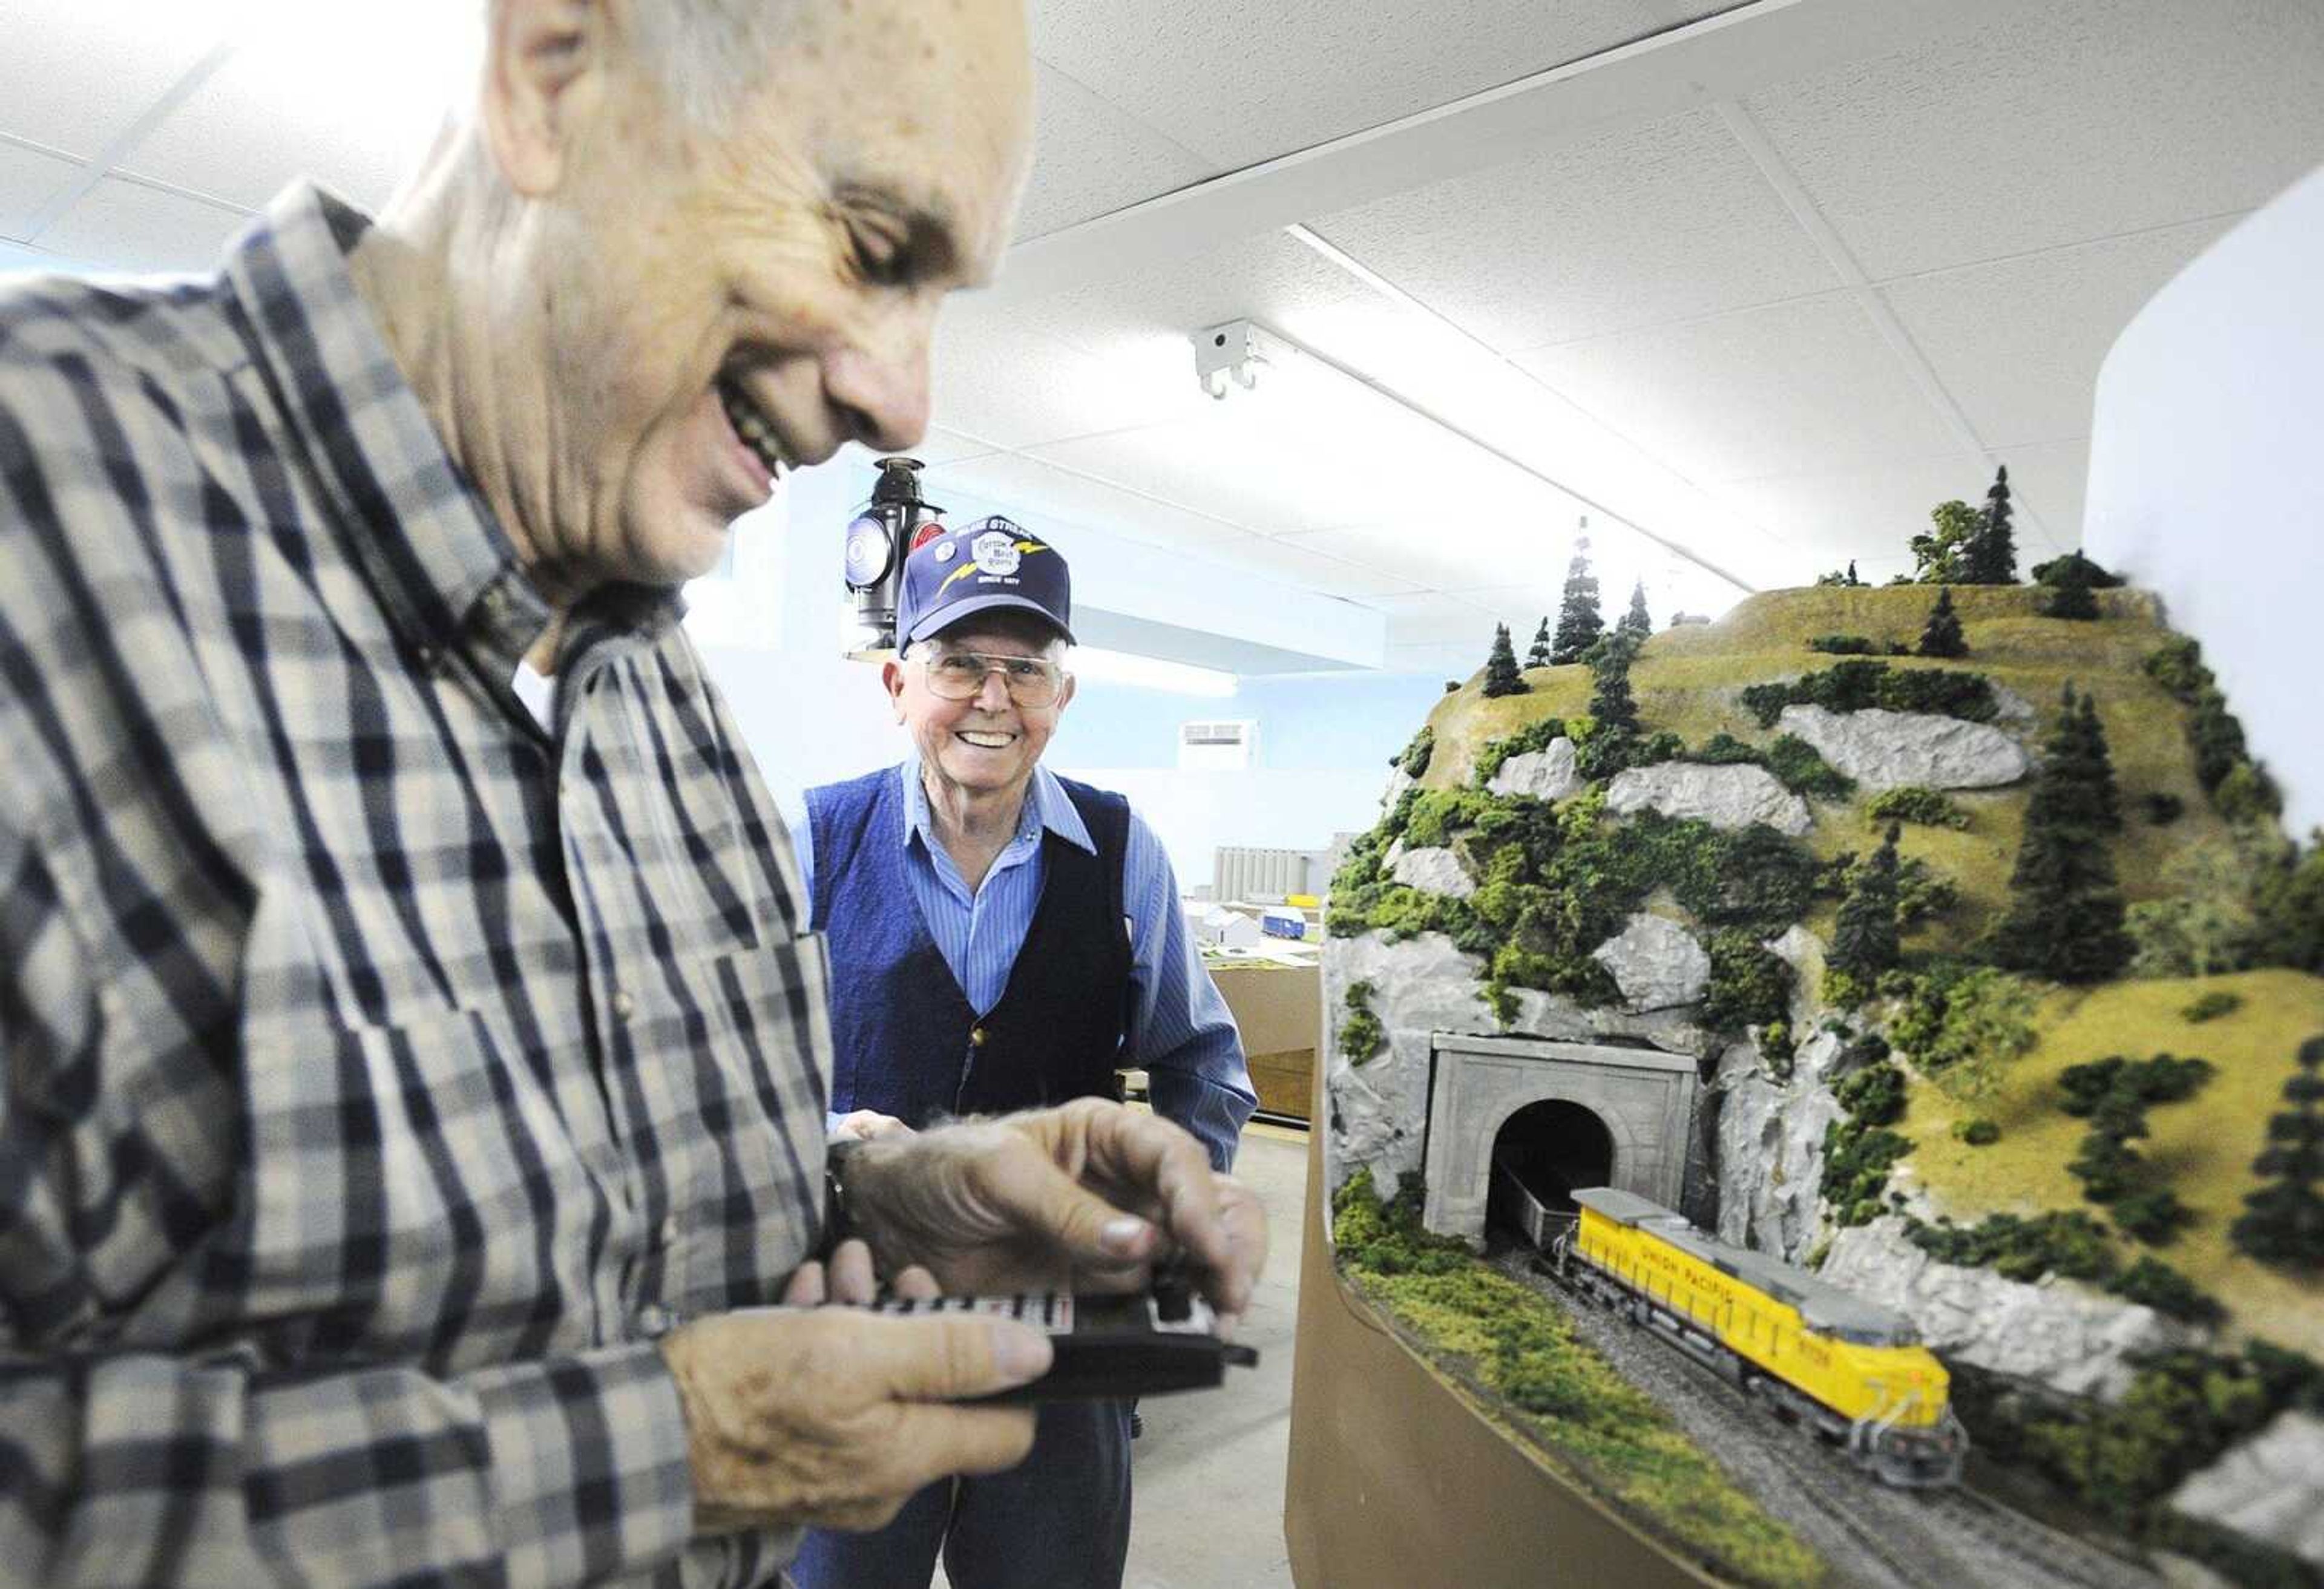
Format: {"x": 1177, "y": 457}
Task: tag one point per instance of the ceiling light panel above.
{"x": 73, "y": 75}
{"x": 347, "y": 95}
{"x": 27, "y": 179}
{"x": 1650, "y": 224}
{"x": 1788, "y": 388}
{"x": 1203, "y": 73}
{"x": 2072, "y": 120}
{"x": 2018, "y": 342}
{"x": 124, "y": 226}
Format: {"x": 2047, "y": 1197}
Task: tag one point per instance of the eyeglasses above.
{"x": 959, "y": 676}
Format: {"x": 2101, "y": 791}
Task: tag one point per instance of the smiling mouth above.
{"x": 985, "y": 741}
{"x": 751, "y": 424}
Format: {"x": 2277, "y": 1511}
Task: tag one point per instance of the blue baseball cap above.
{"x": 992, "y": 565}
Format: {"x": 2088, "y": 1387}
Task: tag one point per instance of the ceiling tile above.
{"x": 1630, "y": 228}
{"x": 1790, "y": 389}
{"x": 998, "y": 383}
{"x": 74, "y": 76}
{"x": 1239, "y": 86}
{"x": 2076, "y": 119}
{"x": 29, "y": 177}
{"x": 1089, "y": 159}
{"x": 124, "y": 226}
{"x": 16, "y": 258}
{"x": 2018, "y": 342}
{"x": 1037, "y": 492}
{"x": 348, "y": 95}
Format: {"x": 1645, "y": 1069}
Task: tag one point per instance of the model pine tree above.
{"x": 1539, "y": 655}
{"x": 1865, "y": 942}
{"x": 1992, "y": 553}
{"x": 1502, "y": 675}
{"x": 1612, "y": 707}
{"x": 1578, "y": 624}
{"x": 1942, "y": 635}
{"x": 2283, "y": 1220}
{"x": 1638, "y": 620}
{"x": 2065, "y": 920}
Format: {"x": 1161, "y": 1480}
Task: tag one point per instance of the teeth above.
{"x": 753, "y": 427}
{"x": 988, "y": 741}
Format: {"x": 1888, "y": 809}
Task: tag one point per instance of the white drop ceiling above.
{"x": 1754, "y": 286}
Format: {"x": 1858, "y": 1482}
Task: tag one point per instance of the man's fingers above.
{"x": 951, "y": 1358}
{"x": 916, "y": 1284}
{"x": 806, "y": 1287}
{"x": 852, "y": 1279}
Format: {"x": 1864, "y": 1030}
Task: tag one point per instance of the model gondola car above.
{"x": 1852, "y": 1370}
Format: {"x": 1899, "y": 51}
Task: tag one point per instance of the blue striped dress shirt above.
{"x": 1180, "y": 1030}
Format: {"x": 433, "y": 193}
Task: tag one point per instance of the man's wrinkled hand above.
{"x": 831, "y": 1418}
{"x": 864, "y": 1125}
{"x": 1087, "y": 1196}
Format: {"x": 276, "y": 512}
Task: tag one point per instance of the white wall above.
{"x": 2206, "y": 474}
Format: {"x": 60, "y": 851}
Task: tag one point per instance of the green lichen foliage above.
{"x": 1855, "y": 684}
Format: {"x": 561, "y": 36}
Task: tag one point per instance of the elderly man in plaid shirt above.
{"x": 414, "y": 1071}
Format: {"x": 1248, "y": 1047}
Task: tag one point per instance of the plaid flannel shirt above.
{"x": 382, "y": 1072}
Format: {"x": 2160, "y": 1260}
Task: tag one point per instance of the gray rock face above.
{"x": 1885, "y": 750}
{"x": 1379, "y": 1111}
{"x": 1546, "y": 774}
{"x": 2271, "y": 1488}
{"x": 2076, "y": 1340}
{"x": 1724, "y": 796}
{"x": 1398, "y": 781}
{"x": 1771, "y": 1153}
{"x": 1657, "y": 963}
{"x": 1435, "y": 870}
{"x": 1561, "y": 1020}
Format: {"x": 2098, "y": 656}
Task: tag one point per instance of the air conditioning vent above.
{"x": 1216, "y": 747}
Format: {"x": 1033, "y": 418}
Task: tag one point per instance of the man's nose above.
{"x": 882, "y": 388}
{"x": 993, "y": 695}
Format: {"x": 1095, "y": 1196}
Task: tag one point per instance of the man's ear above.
{"x": 892, "y": 678}
{"x": 1065, "y": 694}
{"x": 545, "y": 64}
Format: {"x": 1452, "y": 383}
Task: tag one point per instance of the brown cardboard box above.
{"x": 1279, "y": 1010}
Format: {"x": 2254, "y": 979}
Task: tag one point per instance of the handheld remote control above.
{"x": 1108, "y": 1347}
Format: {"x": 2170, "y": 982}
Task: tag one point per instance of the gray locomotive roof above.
{"x": 1822, "y": 1304}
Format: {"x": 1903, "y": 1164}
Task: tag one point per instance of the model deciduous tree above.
{"x": 2070, "y": 592}
{"x": 1941, "y": 558}
{"x": 1866, "y": 943}
{"x": 2065, "y": 919}
{"x": 1638, "y": 621}
{"x": 1578, "y": 623}
{"x": 2283, "y": 1220}
{"x": 1942, "y": 635}
{"x": 1538, "y": 657}
{"x": 1502, "y": 675}
{"x": 1993, "y": 549}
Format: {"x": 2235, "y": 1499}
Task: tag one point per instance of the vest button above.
{"x": 976, "y": 1037}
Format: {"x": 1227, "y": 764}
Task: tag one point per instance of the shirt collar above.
{"x": 1047, "y": 806}
{"x": 443, "y": 567}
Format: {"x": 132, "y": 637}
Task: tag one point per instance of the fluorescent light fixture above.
{"x": 1148, "y": 673}
{"x": 1397, "y": 486}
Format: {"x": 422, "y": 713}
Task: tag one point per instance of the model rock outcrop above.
{"x": 1726, "y": 797}
{"x": 1883, "y": 750}
{"x": 1656, "y": 962}
{"x": 2054, "y": 1331}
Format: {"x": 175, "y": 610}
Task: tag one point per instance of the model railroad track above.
{"x": 1921, "y": 1539}
{"x": 2062, "y": 1556}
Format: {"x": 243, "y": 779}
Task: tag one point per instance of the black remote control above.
{"x": 1108, "y": 1347}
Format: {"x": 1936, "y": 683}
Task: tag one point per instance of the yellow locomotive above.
{"x": 1851, "y": 1369}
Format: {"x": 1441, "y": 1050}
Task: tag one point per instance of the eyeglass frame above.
{"x": 992, "y": 662}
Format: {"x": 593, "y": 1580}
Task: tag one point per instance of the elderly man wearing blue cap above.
{"x": 1002, "y": 936}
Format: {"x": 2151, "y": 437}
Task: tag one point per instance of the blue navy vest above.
{"x": 904, "y": 1038}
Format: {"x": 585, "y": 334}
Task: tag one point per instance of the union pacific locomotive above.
{"x": 1850, "y": 1369}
